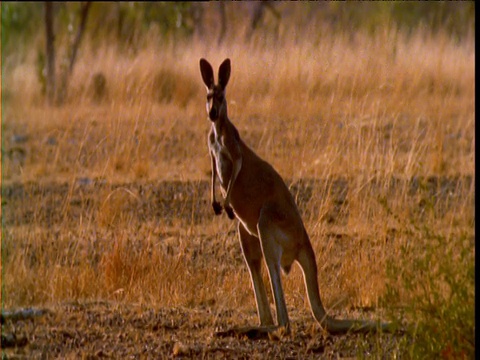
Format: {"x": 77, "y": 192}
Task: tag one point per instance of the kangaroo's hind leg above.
{"x": 273, "y": 238}
{"x": 252, "y": 252}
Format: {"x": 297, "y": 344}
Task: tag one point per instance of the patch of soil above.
{"x": 118, "y": 331}
{"x": 51, "y": 203}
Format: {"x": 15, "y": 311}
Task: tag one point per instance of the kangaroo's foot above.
{"x": 255, "y": 332}
{"x": 217, "y": 208}
{"x": 229, "y": 211}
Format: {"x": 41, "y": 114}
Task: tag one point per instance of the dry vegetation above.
{"x": 106, "y": 197}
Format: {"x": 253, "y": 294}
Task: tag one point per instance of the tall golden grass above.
{"x": 387, "y": 104}
{"x": 369, "y": 110}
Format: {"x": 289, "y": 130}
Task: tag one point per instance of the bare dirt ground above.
{"x": 108, "y": 329}
{"x": 105, "y": 330}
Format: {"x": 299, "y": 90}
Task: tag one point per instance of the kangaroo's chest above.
{"x": 223, "y": 159}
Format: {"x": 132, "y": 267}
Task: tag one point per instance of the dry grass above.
{"x": 364, "y": 106}
{"x": 373, "y": 112}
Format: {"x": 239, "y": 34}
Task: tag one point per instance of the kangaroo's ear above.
{"x": 207, "y": 73}
{"x": 224, "y": 73}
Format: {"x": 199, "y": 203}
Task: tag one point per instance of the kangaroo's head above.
{"x": 216, "y": 102}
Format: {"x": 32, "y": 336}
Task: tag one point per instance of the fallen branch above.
{"x": 22, "y": 314}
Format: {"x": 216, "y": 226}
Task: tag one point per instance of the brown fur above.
{"x": 270, "y": 226}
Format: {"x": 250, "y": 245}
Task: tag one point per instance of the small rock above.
{"x": 51, "y": 141}
{"x": 84, "y": 181}
{"x": 19, "y": 139}
{"x": 180, "y": 349}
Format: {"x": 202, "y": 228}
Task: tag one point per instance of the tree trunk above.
{"x": 197, "y": 15}
{"x": 50, "y": 52}
{"x": 223, "y": 22}
{"x": 257, "y": 12}
{"x": 79, "y": 36}
{"x": 62, "y": 94}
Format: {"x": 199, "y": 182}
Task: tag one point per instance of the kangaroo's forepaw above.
{"x": 229, "y": 211}
{"x": 217, "y": 208}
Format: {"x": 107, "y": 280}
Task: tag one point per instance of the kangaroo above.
{"x": 270, "y": 226}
